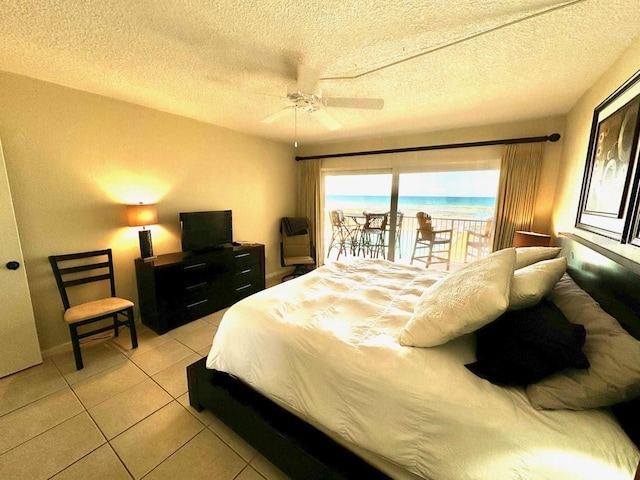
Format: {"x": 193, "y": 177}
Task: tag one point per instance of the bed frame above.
{"x": 302, "y": 451}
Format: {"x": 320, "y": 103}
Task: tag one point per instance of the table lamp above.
{"x": 141, "y": 216}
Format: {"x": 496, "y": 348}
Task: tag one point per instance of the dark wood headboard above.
{"x": 613, "y": 281}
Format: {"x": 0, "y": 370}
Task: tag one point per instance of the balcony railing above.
{"x": 407, "y": 237}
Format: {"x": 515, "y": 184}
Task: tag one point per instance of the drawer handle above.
{"x": 191, "y": 305}
{"x": 197, "y": 285}
{"x": 248, "y": 270}
{"x": 195, "y": 265}
{"x": 242, "y": 288}
{"x": 243, "y": 255}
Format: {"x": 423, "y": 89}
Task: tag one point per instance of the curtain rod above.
{"x": 554, "y": 137}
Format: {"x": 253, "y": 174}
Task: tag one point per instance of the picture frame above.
{"x": 609, "y": 196}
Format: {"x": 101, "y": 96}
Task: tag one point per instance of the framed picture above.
{"x": 608, "y": 201}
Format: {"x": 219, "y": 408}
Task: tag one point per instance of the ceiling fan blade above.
{"x": 343, "y": 102}
{"x": 276, "y": 116}
{"x": 326, "y": 120}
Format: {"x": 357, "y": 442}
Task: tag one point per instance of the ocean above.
{"x": 448, "y": 207}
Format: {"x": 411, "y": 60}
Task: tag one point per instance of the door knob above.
{"x": 13, "y": 265}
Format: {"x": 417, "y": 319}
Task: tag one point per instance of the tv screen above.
{"x": 205, "y": 230}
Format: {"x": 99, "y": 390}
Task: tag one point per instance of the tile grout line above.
{"x": 85, "y": 410}
{"x": 110, "y": 344}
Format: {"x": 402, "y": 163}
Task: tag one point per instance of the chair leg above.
{"x": 333, "y": 237}
{"x": 116, "y": 330}
{"x": 132, "y": 328}
{"x": 415, "y": 246}
{"x": 341, "y": 246}
{"x": 430, "y": 254}
{"x": 75, "y": 342}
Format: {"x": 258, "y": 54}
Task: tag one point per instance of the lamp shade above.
{"x": 141, "y": 215}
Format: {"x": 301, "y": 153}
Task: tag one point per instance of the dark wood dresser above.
{"x": 177, "y": 288}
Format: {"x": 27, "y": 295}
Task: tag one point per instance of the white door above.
{"x": 19, "y": 347}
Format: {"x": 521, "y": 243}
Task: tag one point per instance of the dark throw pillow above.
{"x": 524, "y": 346}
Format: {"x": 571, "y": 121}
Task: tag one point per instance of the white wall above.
{"x": 574, "y": 154}
{"x": 74, "y": 159}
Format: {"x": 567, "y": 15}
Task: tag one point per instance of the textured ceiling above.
{"x": 230, "y": 63}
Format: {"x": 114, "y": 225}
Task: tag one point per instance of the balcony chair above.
{"x": 372, "y": 235}
{"x": 436, "y": 242}
{"x": 478, "y": 244}
{"x": 76, "y": 269}
{"x": 343, "y": 235}
{"x": 296, "y": 249}
{"x": 399, "y": 218}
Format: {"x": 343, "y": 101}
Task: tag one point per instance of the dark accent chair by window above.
{"x": 77, "y": 269}
{"x": 296, "y": 248}
{"x": 437, "y": 243}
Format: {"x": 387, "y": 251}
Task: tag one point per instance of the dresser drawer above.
{"x": 179, "y": 287}
{"x": 246, "y": 290}
{"x": 192, "y": 294}
{"x": 189, "y": 312}
{"x": 249, "y": 274}
{"x": 244, "y": 258}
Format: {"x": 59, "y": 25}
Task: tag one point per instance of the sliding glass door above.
{"x": 461, "y": 200}
{"x": 354, "y": 195}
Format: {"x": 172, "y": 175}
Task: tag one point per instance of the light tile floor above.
{"x": 125, "y": 415}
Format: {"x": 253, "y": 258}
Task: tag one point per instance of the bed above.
{"x": 315, "y": 375}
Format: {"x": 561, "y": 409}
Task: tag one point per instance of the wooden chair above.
{"x": 77, "y": 269}
{"x": 436, "y": 242}
{"x": 342, "y": 235}
{"x": 478, "y": 244}
{"x": 372, "y": 235}
{"x": 399, "y": 218}
{"x": 296, "y": 251}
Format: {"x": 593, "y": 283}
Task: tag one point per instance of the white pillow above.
{"x": 614, "y": 355}
{"x": 462, "y": 302}
{"x": 533, "y": 282}
{"x": 530, "y": 255}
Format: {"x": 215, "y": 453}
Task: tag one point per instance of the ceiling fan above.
{"x": 305, "y": 96}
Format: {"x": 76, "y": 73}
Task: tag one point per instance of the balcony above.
{"x": 407, "y": 236}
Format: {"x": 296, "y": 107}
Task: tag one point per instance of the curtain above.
{"x": 518, "y": 187}
{"x": 308, "y": 199}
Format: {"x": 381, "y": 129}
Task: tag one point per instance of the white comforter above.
{"x": 326, "y": 346}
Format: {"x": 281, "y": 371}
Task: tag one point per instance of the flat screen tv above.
{"x": 203, "y": 231}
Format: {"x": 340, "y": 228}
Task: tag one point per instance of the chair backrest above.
{"x": 337, "y": 218}
{"x": 295, "y": 245}
{"x": 80, "y": 268}
{"x": 487, "y": 227}
{"x": 375, "y": 221}
{"x": 424, "y": 225}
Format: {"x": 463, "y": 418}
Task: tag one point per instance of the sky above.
{"x": 483, "y": 183}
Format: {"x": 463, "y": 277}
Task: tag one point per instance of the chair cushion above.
{"x": 96, "y": 308}
{"x": 298, "y": 261}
